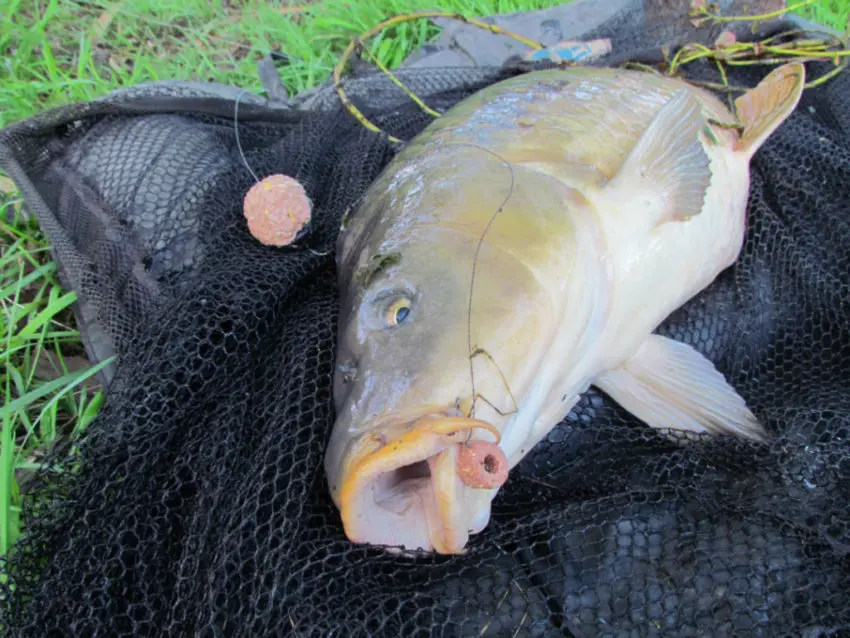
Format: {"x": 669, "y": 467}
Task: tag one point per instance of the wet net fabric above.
{"x": 200, "y": 506}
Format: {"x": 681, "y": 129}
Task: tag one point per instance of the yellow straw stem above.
{"x": 399, "y": 19}
{"x": 756, "y": 18}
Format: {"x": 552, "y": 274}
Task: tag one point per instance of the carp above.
{"x": 523, "y": 247}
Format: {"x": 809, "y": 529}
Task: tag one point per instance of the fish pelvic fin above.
{"x": 764, "y": 108}
{"x": 667, "y": 173}
{"x": 669, "y": 385}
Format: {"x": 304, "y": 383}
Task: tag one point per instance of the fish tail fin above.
{"x": 763, "y": 109}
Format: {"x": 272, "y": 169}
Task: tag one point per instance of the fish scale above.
{"x": 522, "y": 119}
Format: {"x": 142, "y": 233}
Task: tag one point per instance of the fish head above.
{"x": 422, "y": 372}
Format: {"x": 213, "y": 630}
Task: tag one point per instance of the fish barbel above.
{"x": 522, "y": 248}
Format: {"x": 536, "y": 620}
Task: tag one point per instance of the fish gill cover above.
{"x": 200, "y": 506}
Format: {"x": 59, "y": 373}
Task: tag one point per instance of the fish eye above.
{"x": 397, "y": 311}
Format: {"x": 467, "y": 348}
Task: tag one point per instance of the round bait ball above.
{"x": 482, "y": 465}
{"x": 276, "y": 209}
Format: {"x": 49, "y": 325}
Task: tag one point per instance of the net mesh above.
{"x": 200, "y": 507}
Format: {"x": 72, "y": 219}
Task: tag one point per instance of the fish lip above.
{"x": 415, "y": 472}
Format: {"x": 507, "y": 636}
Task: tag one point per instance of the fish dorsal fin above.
{"x": 667, "y": 173}
{"x": 763, "y": 109}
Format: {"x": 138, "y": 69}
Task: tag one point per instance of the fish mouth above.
{"x": 428, "y": 489}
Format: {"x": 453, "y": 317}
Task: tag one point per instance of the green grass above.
{"x": 60, "y": 51}
{"x": 834, "y": 13}
{"x": 45, "y": 373}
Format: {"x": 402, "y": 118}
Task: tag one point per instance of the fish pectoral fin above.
{"x": 667, "y": 173}
{"x": 668, "y": 384}
{"x": 763, "y": 109}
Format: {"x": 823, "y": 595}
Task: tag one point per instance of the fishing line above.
{"x": 245, "y": 159}
{"x": 236, "y": 132}
{"x": 475, "y": 263}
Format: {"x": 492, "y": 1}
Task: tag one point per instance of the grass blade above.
{"x": 53, "y": 308}
{"x": 59, "y": 386}
{"x": 18, "y": 285}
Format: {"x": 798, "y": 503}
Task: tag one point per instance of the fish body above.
{"x": 522, "y": 248}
